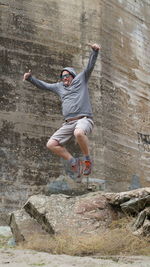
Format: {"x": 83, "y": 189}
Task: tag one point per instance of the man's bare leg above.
{"x": 59, "y": 150}
{"x": 83, "y": 142}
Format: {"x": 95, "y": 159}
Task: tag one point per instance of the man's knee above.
{"x": 51, "y": 144}
{"x": 78, "y": 133}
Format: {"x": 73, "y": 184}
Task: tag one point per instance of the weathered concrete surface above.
{"x": 46, "y": 35}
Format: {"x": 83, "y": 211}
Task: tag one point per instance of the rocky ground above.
{"x": 25, "y": 258}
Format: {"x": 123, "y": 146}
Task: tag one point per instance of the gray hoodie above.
{"x": 75, "y": 98}
{"x": 71, "y": 71}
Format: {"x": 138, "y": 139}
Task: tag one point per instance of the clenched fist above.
{"x": 27, "y": 75}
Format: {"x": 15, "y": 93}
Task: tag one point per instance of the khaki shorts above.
{"x": 66, "y": 132}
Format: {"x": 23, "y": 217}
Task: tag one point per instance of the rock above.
{"x": 24, "y": 226}
{"x": 141, "y": 225}
{"x": 11, "y": 242}
{"x": 81, "y": 213}
{"x": 4, "y": 219}
{"x": 140, "y": 220}
{"x": 5, "y": 231}
{"x": 134, "y": 206}
{"x": 65, "y": 185}
{"x": 146, "y": 228}
{"x": 148, "y": 212}
{"x": 116, "y": 199}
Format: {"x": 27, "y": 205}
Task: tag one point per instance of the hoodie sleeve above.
{"x": 43, "y": 85}
{"x": 91, "y": 63}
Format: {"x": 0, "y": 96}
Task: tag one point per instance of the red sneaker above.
{"x": 88, "y": 167}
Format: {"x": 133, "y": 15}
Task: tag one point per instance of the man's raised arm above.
{"x": 92, "y": 60}
{"x": 40, "y": 84}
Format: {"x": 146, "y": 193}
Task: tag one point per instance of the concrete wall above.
{"x": 46, "y": 35}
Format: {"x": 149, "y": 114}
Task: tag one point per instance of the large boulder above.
{"x": 84, "y": 214}
{"x": 58, "y": 213}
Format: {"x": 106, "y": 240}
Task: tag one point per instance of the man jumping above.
{"x": 76, "y": 109}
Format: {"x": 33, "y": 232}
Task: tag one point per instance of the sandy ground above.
{"x": 26, "y": 258}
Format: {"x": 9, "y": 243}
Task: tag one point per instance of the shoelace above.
{"x": 87, "y": 164}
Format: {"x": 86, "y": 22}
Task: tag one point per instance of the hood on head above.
{"x": 70, "y": 70}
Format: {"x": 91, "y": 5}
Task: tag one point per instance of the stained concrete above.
{"x": 46, "y": 35}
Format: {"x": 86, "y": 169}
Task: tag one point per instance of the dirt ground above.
{"x": 25, "y": 258}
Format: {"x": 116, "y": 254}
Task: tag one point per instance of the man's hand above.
{"x": 95, "y": 47}
{"x": 27, "y": 75}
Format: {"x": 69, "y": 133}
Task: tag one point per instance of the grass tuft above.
{"x": 116, "y": 240}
